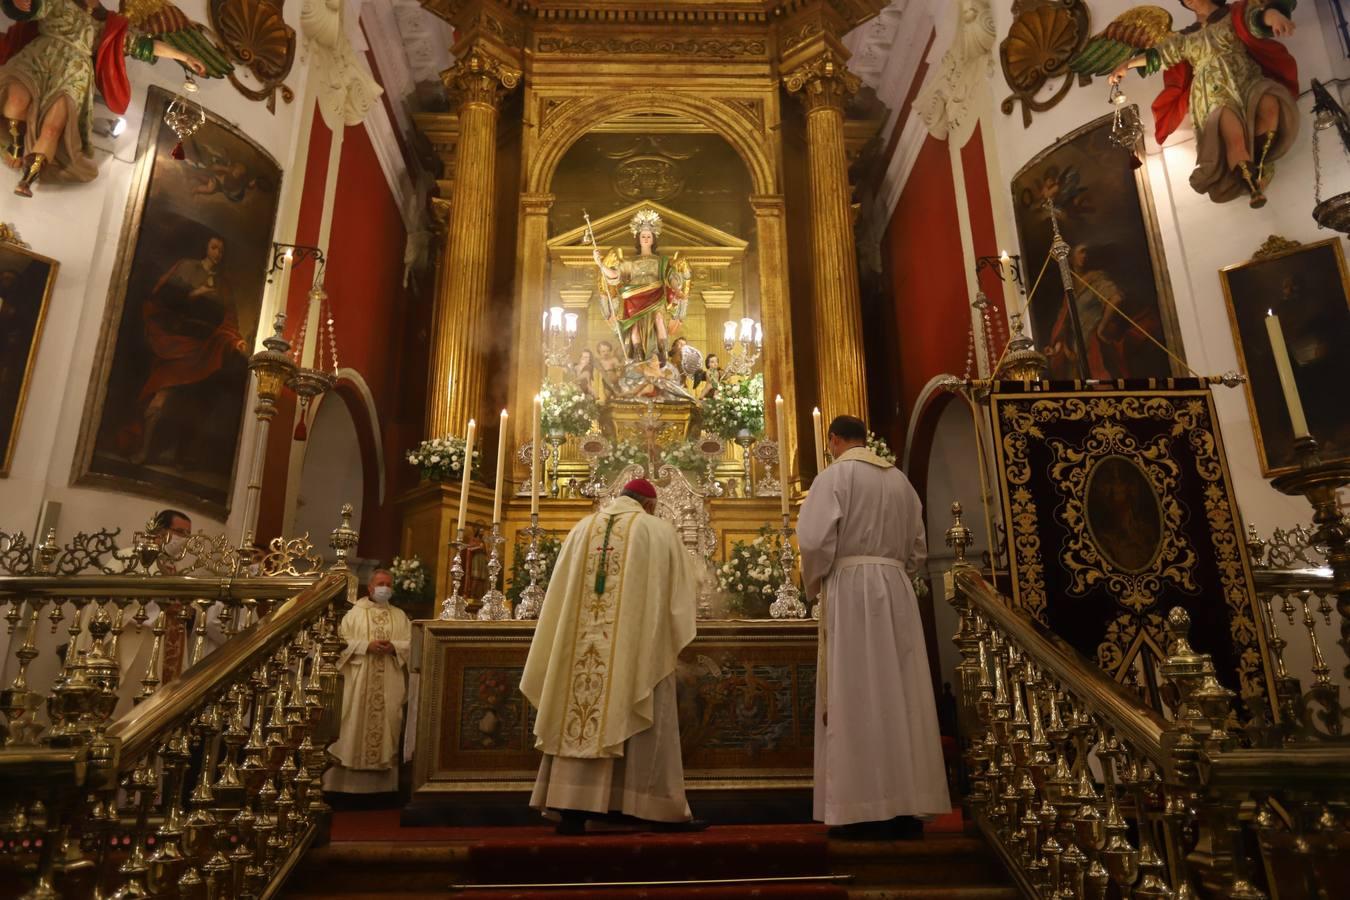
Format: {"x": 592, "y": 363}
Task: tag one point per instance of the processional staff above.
{"x": 1059, "y": 249}
{"x": 611, "y": 304}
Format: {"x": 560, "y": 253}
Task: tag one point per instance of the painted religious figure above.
{"x": 59, "y": 52}
{"x": 653, "y": 290}
{"x": 1237, "y": 83}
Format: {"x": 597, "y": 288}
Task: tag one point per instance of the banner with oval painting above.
{"x": 1120, "y": 507}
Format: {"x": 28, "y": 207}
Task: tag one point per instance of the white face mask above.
{"x": 382, "y": 593}
{"x": 175, "y": 544}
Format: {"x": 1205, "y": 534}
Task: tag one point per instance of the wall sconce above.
{"x": 1006, "y": 267}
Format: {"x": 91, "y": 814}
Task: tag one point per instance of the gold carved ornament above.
{"x": 480, "y": 78}
{"x": 1043, "y": 37}
{"x": 255, "y": 34}
{"x": 823, "y": 83}
{"x": 701, "y": 48}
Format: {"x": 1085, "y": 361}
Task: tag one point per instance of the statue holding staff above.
{"x": 653, "y": 290}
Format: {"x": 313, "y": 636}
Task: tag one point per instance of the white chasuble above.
{"x": 373, "y": 690}
{"x": 619, "y": 609}
{"x": 880, "y": 755}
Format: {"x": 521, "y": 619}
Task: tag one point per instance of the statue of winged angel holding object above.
{"x": 58, "y": 52}
{"x": 1227, "y": 70}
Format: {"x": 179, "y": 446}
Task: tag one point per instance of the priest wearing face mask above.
{"x": 374, "y": 666}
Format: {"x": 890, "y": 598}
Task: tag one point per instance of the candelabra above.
{"x": 454, "y": 607}
{"x": 1321, "y": 482}
{"x": 289, "y": 254}
{"x": 559, "y": 334}
{"x": 532, "y": 598}
{"x": 1007, "y": 267}
{"x": 746, "y": 440}
{"x": 788, "y": 603}
{"x": 743, "y": 341}
{"x": 555, "y": 440}
{"x": 494, "y": 606}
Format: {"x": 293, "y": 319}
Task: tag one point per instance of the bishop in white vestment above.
{"x": 878, "y": 750}
{"x": 374, "y": 667}
{"x": 619, "y": 609}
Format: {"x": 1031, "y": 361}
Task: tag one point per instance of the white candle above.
{"x": 464, "y": 485}
{"x": 782, "y": 452}
{"x": 1286, "y": 373}
{"x": 534, "y": 456}
{"x": 820, "y": 441}
{"x": 1004, "y": 265}
{"x": 501, "y": 471}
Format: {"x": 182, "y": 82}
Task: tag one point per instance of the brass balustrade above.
{"x": 210, "y": 785}
{"x": 1086, "y": 792}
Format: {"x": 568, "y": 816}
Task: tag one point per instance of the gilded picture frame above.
{"x": 1308, "y": 287}
{"x": 1106, "y": 215}
{"x": 26, "y": 281}
{"x": 165, "y": 409}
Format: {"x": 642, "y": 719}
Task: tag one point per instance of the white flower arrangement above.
{"x": 736, "y": 407}
{"x": 621, "y": 455}
{"x": 442, "y": 459}
{"x": 686, "y": 457}
{"x": 566, "y": 408}
{"x": 878, "y": 445}
{"x": 752, "y": 573}
{"x": 410, "y": 580}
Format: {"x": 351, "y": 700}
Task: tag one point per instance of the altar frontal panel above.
{"x": 746, "y": 698}
{"x": 1119, "y": 507}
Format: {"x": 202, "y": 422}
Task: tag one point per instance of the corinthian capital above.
{"x": 477, "y": 77}
{"x": 823, "y": 82}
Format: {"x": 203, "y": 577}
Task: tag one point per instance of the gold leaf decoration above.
{"x": 255, "y": 33}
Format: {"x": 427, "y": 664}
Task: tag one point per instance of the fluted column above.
{"x": 779, "y": 372}
{"x": 457, "y": 377}
{"x": 823, "y": 85}
{"x": 531, "y": 302}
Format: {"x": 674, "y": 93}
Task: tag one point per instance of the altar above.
{"x": 746, "y": 692}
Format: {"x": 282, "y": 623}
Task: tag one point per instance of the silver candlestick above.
{"x": 532, "y": 598}
{"x": 453, "y": 606}
{"x": 494, "y": 608}
{"x": 788, "y": 604}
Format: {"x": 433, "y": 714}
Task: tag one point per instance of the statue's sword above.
{"x": 613, "y": 304}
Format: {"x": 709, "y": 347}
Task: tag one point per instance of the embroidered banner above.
{"x": 1119, "y": 507}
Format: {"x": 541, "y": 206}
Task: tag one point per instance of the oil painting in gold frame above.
{"x": 167, "y": 398}
{"x": 1308, "y": 287}
{"x": 26, "y": 280}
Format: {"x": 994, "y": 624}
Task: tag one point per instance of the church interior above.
{"x": 323, "y": 323}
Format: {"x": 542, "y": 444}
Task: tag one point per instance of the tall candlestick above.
{"x": 534, "y": 457}
{"x": 464, "y": 486}
{"x": 782, "y": 452}
{"x": 820, "y": 440}
{"x": 1286, "y": 372}
{"x": 501, "y": 470}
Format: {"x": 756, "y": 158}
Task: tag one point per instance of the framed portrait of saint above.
{"x": 1306, "y": 285}
{"x": 26, "y": 280}
{"x": 165, "y": 407}
{"x": 1123, "y": 297}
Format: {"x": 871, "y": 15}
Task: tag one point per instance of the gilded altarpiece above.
{"x": 1120, "y": 507}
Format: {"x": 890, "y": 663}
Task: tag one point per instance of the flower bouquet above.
{"x": 442, "y": 459}
{"x": 736, "y": 408}
{"x": 566, "y": 409}
{"x": 751, "y": 575}
{"x": 410, "y": 582}
{"x": 878, "y": 445}
{"x": 620, "y": 456}
{"x": 686, "y": 457}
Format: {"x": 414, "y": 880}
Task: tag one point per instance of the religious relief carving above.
{"x": 823, "y": 83}
{"x": 948, "y": 105}
{"x": 1044, "y": 36}
{"x": 706, "y": 48}
{"x": 255, "y": 34}
{"x": 480, "y": 78}
{"x": 648, "y": 169}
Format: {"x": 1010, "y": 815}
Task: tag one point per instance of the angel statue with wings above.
{"x": 653, "y": 290}
{"x": 58, "y": 52}
{"x": 1237, "y": 82}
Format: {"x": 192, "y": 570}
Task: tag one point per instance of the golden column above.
{"x": 457, "y": 377}
{"x": 824, "y": 85}
{"x": 531, "y": 301}
{"x": 779, "y": 372}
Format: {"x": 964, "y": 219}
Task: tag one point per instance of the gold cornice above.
{"x": 628, "y": 13}
{"x": 480, "y": 76}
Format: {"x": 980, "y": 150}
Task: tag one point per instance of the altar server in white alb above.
{"x": 601, "y": 671}
{"x": 878, "y": 761}
{"x": 374, "y": 666}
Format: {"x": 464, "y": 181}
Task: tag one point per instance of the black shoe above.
{"x": 571, "y": 823}
{"x": 860, "y": 831}
{"x": 904, "y": 828}
{"x": 679, "y": 827}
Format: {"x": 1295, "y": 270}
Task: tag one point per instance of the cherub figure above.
{"x": 1238, "y": 84}
{"x": 58, "y": 52}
